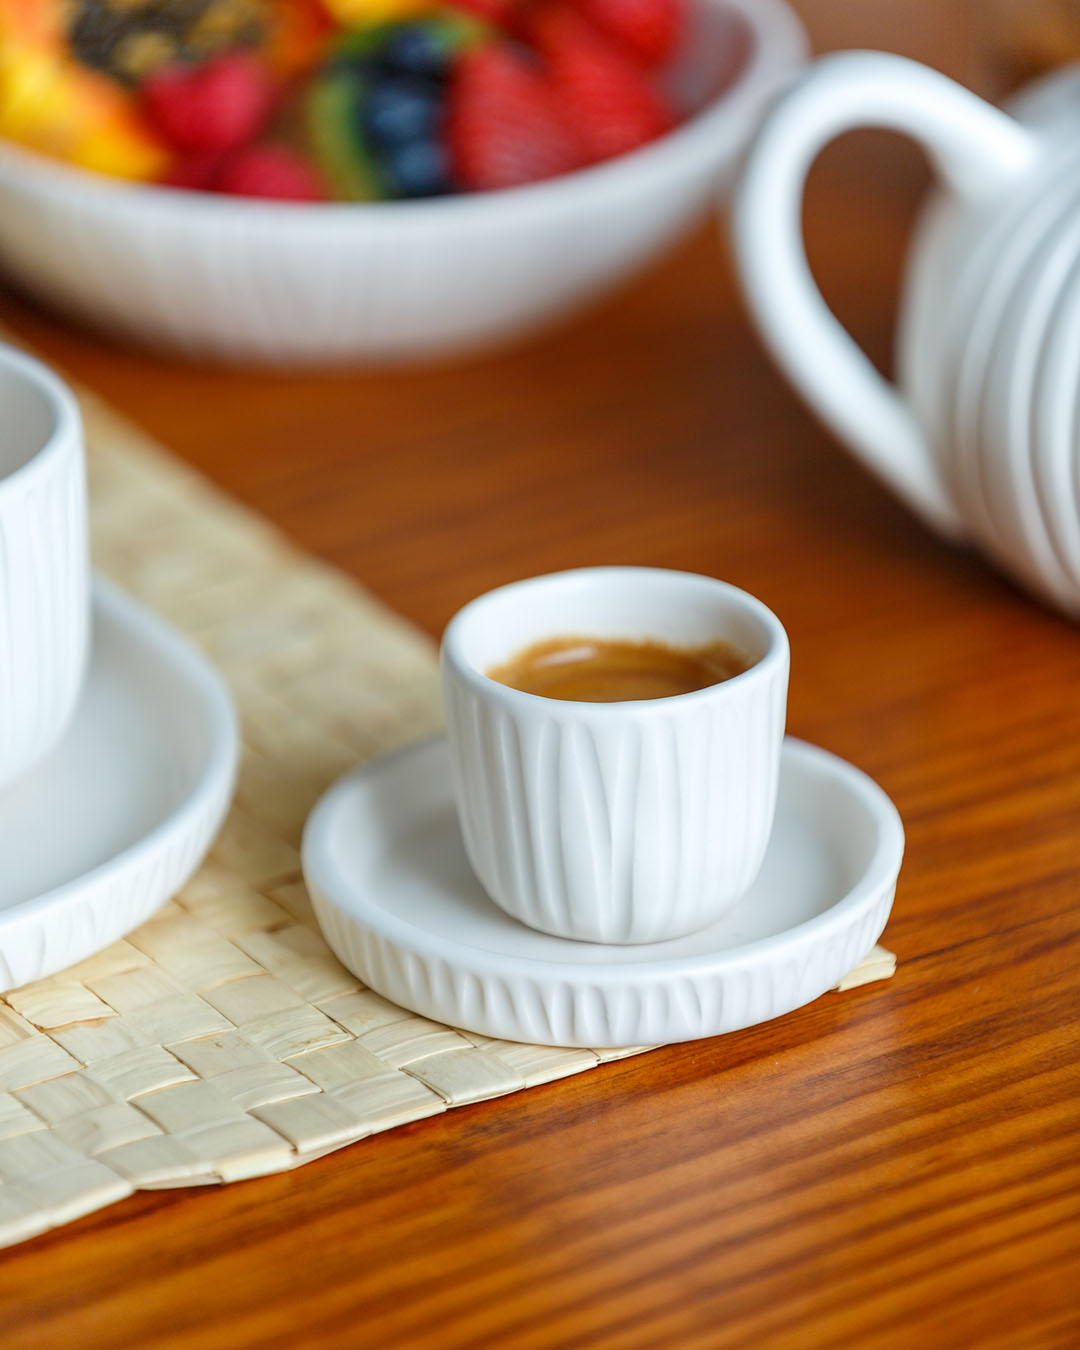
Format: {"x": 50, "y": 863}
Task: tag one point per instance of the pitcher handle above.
{"x": 974, "y": 147}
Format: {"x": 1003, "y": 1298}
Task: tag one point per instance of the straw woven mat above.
{"x": 222, "y": 1039}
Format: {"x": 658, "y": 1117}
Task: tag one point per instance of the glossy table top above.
{"x": 894, "y": 1166}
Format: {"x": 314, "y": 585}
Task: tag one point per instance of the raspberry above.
{"x": 220, "y": 105}
{"x": 272, "y": 171}
{"x": 197, "y": 171}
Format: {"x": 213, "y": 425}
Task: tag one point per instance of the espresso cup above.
{"x": 616, "y": 822}
{"x": 44, "y": 564}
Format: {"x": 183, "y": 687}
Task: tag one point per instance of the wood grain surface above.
{"x": 897, "y": 1166}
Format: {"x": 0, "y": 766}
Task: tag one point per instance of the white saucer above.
{"x": 115, "y": 820}
{"x": 399, "y": 905}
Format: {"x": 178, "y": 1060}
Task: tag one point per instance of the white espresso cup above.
{"x": 615, "y": 822}
{"x": 44, "y": 562}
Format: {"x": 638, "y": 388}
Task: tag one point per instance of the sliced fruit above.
{"x": 271, "y": 171}
{"x": 429, "y": 46}
{"x": 650, "y": 29}
{"x": 130, "y": 39}
{"x": 400, "y": 109}
{"x": 504, "y": 123}
{"x": 59, "y": 108}
{"x": 419, "y": 168}
{"x": 334, "y": 121}
{"x": 220, "y": 104}
{"x": 609, "y": 97}
{"x": 360, "y": 13}
{"x": 197, "y": 171}
{"x": 501, "y": 13}
{"x": 298, "y": 35}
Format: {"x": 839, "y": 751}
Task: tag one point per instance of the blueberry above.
{"x": 399, "y": 110}
{"x": 417, "y": 49}
{"x": 419, "y": 169}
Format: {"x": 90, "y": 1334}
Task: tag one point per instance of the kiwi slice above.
{"x": 333, "y": 123}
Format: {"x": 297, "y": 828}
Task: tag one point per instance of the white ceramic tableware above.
{"x": 1054, "y": 436}
{"x": 970, "y": 330}
{"x": 112, "y": 823}
{"x": 288, "y": 283}
{"x": 44, "y": 561}
{"x": 934, "y": 334}
{"x": 401, "y": 908}
{"x": 961, "y": 440}
{"x": 615, "y": 822}
{"x": 948, "y": 269}
{"x": 1056, "y": 428}
{"x": 991, "y": 464}
{"x": 1007, "y": 408}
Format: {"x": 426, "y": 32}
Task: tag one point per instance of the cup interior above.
{"x": 29, "y": 415}
{"x": 680, "y": 609}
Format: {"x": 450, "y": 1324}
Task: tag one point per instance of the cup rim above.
{"x": 62, "y": 405}
{"x": 453, "y": 655}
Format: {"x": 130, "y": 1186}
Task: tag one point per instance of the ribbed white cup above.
{"x": 615, "y": 822}
{"x": 44, "y": 562}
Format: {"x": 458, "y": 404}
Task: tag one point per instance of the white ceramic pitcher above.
{"x": 982, "y": 436}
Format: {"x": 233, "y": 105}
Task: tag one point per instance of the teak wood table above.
{"x": 897, "y": 1166}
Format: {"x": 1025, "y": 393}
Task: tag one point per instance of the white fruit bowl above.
{"x": 285, "y": 283}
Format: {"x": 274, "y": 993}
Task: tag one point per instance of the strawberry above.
{"x": 218, "y": 105}
{"x": 650, "y": 29}
{"x": 607, "y": 95}
{"x": 271, "y": 171}
{"x": 504, "y": 123}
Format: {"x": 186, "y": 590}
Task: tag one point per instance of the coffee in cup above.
{"x": 617, "y": 670}
{"x": 627, "y": 819}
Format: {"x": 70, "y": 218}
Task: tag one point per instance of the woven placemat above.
{"x": 222, "y": 1039}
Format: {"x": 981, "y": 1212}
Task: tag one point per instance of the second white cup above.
{"x": 617, "y": 822}
{"x": 44, "y": 561}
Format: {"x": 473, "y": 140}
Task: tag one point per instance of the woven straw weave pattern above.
{"x": 222, "y": 1040}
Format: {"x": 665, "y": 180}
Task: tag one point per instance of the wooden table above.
{"x": 897, "y": 1166}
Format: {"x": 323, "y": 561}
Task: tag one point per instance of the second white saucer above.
{"x": 116, "y": 818}
{"x": 400, "y": 907}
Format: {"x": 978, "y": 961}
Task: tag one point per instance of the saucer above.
{"x": 117, "y": 817}
{"x": 399, "y": 905}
